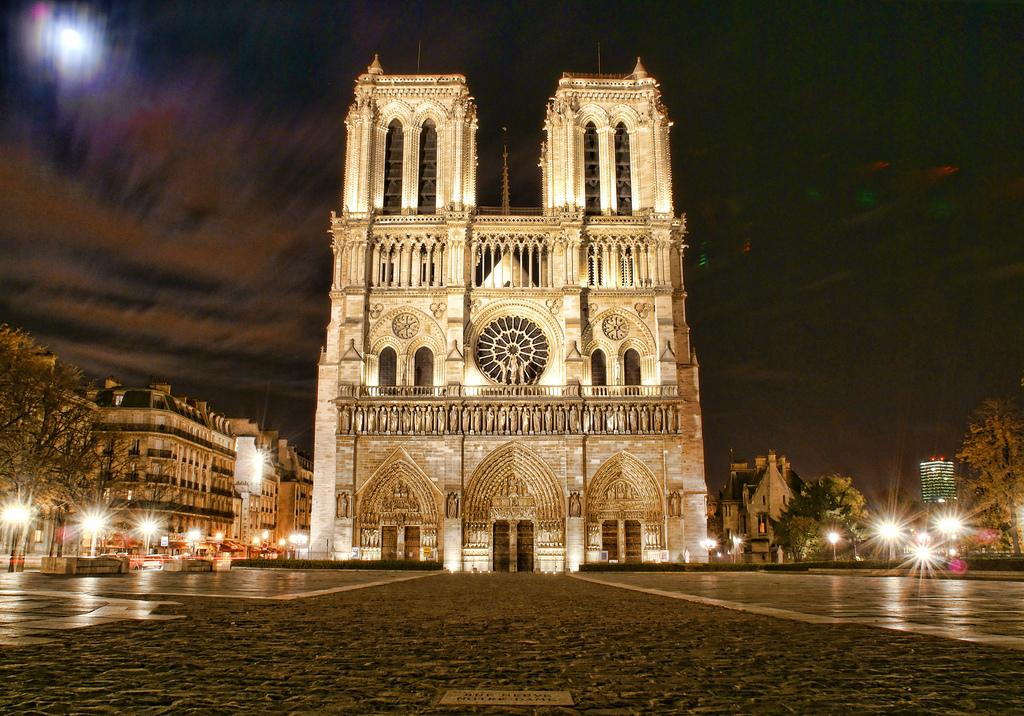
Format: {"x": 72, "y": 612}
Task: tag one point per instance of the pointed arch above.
{"x": 394, "y": 152}
{"x": 591, "y": 169}
{"x": 625, "y": 488}
{"x": 511, "y": 477}
{"x": 398, "y": 493}
{"x": 427, "y": 171}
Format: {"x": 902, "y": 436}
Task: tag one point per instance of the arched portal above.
{"x": 625, "y": 510}
{"x": 513, "y": 495}
{"x": 398, "y": 512}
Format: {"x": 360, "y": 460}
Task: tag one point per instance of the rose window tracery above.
{"x": 512, "y": 350}
{"x": 405, "y": 325}
{"x": 616, "y": 327}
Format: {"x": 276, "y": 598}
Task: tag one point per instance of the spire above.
{"x": 639, "y": 72}
{"x": 504, "y": 173}
{"x": 375, "y": 68}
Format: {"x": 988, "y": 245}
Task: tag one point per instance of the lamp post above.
{"x": 890, "y": 532}
{"x": 194, "y": 538}
{"x": 708, "y": 544}
{"x": 147, "y": 528}
{"x": 833, "y": 537}
{"x": 14, "y": 516}
{"x": 92, "y": 523}
{"x": 950, "y": 526}
{"x": 737, "y": 542}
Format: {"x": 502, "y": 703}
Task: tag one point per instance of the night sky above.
{"x": 852, "y": 176}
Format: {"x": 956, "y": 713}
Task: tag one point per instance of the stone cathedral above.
{"x": 508, "y": 389}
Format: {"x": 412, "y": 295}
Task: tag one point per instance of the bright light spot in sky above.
{"x": 66, "y": 41}
{"x": 71, "y": 40}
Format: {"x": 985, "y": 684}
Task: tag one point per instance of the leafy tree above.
{"x": 994, "y": 449}
{"x": 830, "y": 502}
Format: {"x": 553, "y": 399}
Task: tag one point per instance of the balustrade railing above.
{"x": 509, "y": 391}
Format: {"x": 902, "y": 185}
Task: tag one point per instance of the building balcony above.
{"x": 416, "y": 392}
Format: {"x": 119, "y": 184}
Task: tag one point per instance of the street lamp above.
{"x": 15, "y": 515}
{"x": 297, "y": 539}
{"x": 889, "y": 531}
{"x": 92, "y": 524}
{"x": 833, "y": 537}
{"x": 147, "y": 528}
{"x": 194, "y": 537}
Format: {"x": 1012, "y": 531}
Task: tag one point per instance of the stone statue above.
{"x": 780, "y": 554}
{"x": 675, "y": 503}
{"x": 575, "y": 508}
{"x": 341, "y": 505}
{"x": 452, "y": 507}
{"x": 489, "y": 425}
{"x": 346, "y": 424}
{"x": 686, "y": 556}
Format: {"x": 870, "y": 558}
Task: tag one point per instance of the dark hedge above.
{"x": 382, "y": 564}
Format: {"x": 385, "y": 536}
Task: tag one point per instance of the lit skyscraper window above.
{"x": 937, "y": 481}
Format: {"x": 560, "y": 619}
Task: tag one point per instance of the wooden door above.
{"x": 610, "y": 538}
{"x": 524, "y": 546}
{"x": 412, "y": 543}
{"x": 500, "y": 546}
{"x": 634, "y": 545}
{"x": 389, "y": 542}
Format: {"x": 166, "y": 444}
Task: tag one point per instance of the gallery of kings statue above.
{"x": 503, "y": 388}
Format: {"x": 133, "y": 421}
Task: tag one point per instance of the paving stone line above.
{"x": 1004, "y": 641}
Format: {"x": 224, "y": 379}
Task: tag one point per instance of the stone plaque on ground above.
{"x": 506, "y": 698}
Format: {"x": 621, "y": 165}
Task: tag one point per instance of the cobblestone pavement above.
{"x": 977, "y": 611}
{"x": 28, "y": 618}
{"x": 399, "y": 647}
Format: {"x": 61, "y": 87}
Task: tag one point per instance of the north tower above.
{"x": 508, "y": 388}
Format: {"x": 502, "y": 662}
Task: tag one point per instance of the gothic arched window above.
{"x": 623, "y": 178}
{"x": 387, "y": 367}
{"x": 631, "y": 367}
{"x": 424, "y": 367}
{"x": 428, "y": 169}
{"x": 598, "y": 369}
{"x": 393, "y": 149}
{"x": 591, "y": 170}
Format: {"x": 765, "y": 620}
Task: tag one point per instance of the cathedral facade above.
{"x": 503, "y": 388}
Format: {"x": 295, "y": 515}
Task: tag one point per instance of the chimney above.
{"x": 165, "y": 387}
{"x": 111, "y": 382}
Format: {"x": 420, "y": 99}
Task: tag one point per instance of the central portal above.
{"x": 524, "y": 546}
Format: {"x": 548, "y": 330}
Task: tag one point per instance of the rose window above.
{"x": 512, "y": 350}
{"x": 405, "y": 325}
{"x": 616, "y": 327}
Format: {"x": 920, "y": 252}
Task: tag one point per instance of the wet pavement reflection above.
{"x": 981, "y": 611}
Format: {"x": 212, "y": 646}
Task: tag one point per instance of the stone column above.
{"x": 453, "y": 544}
{"x": 575, "y": 543}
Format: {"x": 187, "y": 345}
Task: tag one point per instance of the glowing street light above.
{"x": 737, "y": 542}
{"x": 148, "y": 528}
{"x": 889, "y": 531}
{"x": 92, "y": 524}
{"x": 833, "y": 537}
{"x": 194, "y": 537}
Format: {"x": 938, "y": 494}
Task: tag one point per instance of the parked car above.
{"x": 155, "y": 561}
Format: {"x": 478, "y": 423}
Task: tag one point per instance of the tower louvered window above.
{"x": 598, "y": 368}
{"x": 424, "y": 367}
{"x": 631, "y": 367}
{"x": 428, "y": 169}
{"x": 591, "y": 170}
{"x": 393, "y": 147}
{"x": 387, "y": 367}
{"x": 623, "y": 178}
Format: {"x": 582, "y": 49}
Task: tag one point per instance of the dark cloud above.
{"x": 853, "y": 202}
